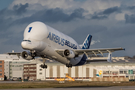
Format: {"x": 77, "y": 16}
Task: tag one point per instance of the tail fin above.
{"x": 109, "y": 59}
{"x": 86, "y": 43}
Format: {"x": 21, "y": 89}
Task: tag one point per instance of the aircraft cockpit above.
{"x": 27, "y": 40}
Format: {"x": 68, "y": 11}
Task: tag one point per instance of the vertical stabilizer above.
{"x": 87, "y": 42}
{"x": 109, "y": 59}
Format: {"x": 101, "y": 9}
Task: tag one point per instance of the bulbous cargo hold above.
{"x": 36, "y": 31}
{"x": 34, "y": 36}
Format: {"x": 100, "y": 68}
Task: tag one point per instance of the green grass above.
{"x": 61, "y": 85}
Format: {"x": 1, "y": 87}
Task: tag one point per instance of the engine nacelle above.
{"x": 69, "y": 53}
{"x": 26, "y": 55}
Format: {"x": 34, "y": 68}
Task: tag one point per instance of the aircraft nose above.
{"x": 23, "y": 44}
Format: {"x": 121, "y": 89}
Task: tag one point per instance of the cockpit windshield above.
{"x": 27, "y": 40}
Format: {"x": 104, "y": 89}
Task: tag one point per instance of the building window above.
{"x": 105, "y": 72}
{"x": 114, "y": 72}
{"x": 0, "y": 61}
{"x": 40, "y": 69}
{"x": 121, "y": 72}
{"x": 0, "y": 66}
{"x": 40, "y": 73}
{"x": 0, "y": 74}
{"x": 125, "y": 72}
{"x": 0, "y": 70}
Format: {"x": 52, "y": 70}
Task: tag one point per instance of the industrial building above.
{"x": 33, "y": 72}
{"x": 12, "y": 66}
{"x": 1, "y": 69}
{"x": 89, "y": 72}
{"x": 14, "y": 69}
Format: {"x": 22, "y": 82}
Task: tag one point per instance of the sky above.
{"x": 110, "y": 22}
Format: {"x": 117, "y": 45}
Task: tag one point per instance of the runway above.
{"x": 84, "y": 88}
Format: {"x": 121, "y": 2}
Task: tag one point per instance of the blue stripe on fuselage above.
{"x": 82, "y": 61}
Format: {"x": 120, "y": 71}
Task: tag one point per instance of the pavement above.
{"x": 83, "y": 88}
{"x": 74, "y": 88}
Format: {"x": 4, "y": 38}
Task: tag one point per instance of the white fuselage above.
{"x": 46, "y": 40}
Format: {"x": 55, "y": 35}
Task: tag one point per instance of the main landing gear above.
{"x": 69, "y": 65}
{"x": 43, "y": 65}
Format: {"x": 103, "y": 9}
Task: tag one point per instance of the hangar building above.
{"x": 89, "y": 72}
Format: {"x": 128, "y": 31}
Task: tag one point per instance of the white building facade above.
{"x": 89, "y": 72}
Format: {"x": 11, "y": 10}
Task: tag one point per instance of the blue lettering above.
{"x": 71, "y": 45}
{"x": 75, "y": 47}
{"x": 53, "y": 37}
{"x": 61, "y": 41}
{"x": 49, "y": 36}
{"x": 56, "y": 39}
{"x": 66, "y": 42}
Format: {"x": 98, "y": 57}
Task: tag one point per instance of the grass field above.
{"x": 62, "y": 85}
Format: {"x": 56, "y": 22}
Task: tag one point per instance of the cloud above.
{"x": 80, "y": 33}
{"x": 50, "y": 4}
{"x": 20, "y": 9}
{"x": 99, "y": 17}
{"x": 120, "y": 16}
{"x": 131, "y": 7}
{"x": 69, "y": 5}
{"x": 77, "y": 13}
{"x": 111, "y": 10}
{"x": 93, "y": 6}
{"x": 53, "y": 15}
{"x": 130, "y": 18}
{"x": 105, "y": 14}
{"x": 94, "y": 42}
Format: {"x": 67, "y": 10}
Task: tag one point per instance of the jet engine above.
{"x": 69, "y": 53}
{"x": 27, "y": 55}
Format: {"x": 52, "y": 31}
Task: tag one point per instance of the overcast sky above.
{"x": 110, "y": 22}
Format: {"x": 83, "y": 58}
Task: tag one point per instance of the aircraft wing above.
{"x": 90, "y": 51}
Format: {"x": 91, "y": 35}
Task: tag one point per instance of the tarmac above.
{"x": 83, "y": 88}
{"x": 74, "y": 88}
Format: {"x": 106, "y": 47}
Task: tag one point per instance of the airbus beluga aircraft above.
{"x": 43, "y": 41}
